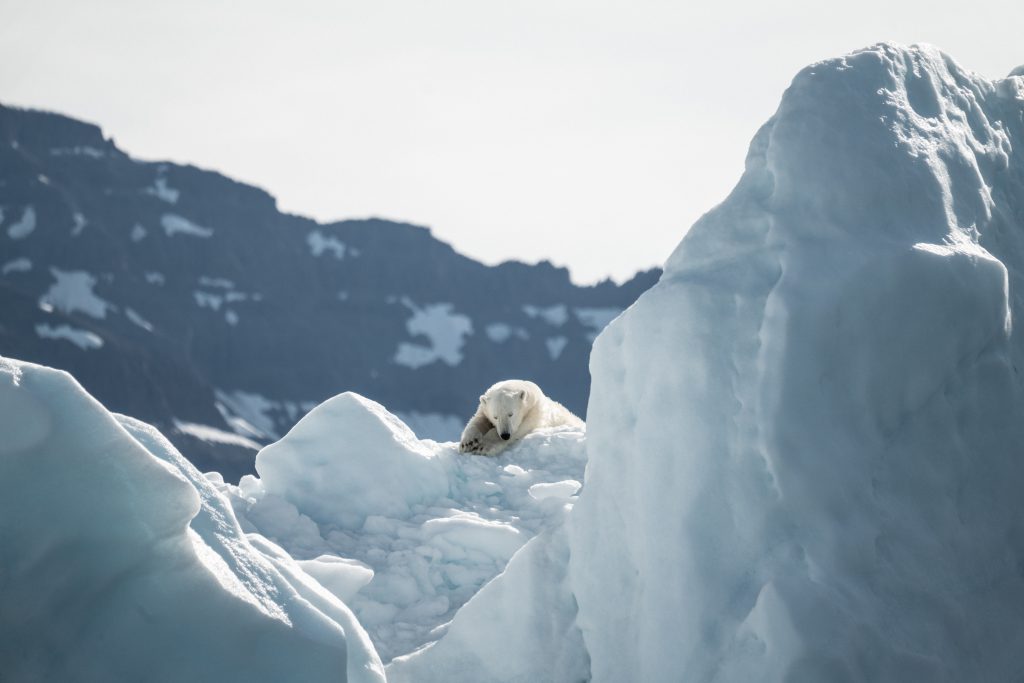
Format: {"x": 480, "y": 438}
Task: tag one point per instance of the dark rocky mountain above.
{"x": 188, "y": 300}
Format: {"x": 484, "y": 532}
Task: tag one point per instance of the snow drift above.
{"x": 806, "y": 443}
{"x": 121, "y": 562}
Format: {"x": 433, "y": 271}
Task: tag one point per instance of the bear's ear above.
{"x": 482, "y": 398}
{"x": 522, "y": 394}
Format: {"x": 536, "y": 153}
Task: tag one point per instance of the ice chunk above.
{"x": 119, "y": 558}
{"x": 519, "y": 627}
{"x": 349, "y": 456}
{"x": 341, "y": 576}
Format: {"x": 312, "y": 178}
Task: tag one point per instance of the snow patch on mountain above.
{"x": 78, "y": 151}
{"x": 208, "y": 300}
{"x": 320, "y": 243}
{"x": 445, "y": 332}
{"x": 83, "y": 339}
{"x": 138, "y": 319}
{"x": 217, "y": 282}
{"x": 502, "y": 332}
{"x": 79, "y": 224}
{"x": 173, "y": 224}
{"x": 18, "y": 265}
{"x": 163, "y": 191}
{"x": 555, "y": 346}
{"x": 596, "y": 319}
{"x": 215, "y": 435}
{"x": 556, "y": 315}
{"x": 72, "y": 292}
{"x": 24, "y": 226}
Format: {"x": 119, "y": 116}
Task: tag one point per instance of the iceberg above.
{"x": 805, "y": 443}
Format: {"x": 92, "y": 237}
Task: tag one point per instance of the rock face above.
{"x": 188, "y": 300}
{"x": 805, "y": 442}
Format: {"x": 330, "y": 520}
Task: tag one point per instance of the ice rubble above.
{"x": 122, "y": 562}
{"x": 421, "y": 526}
{"x": 806, "y": 442}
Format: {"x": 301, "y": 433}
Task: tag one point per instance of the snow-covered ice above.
{"x": 519, "y": 628}
{"x": 433, "y": 525}
{"x": 122, "y": 562}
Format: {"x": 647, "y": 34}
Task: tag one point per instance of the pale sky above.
{"x": 588, "y": 133}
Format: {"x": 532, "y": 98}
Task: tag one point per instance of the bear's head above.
{"x": 506, "y": 407}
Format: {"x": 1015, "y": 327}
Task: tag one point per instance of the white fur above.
{"x": 514, "y": 407}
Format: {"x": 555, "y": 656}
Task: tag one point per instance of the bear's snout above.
{"x": 505, "y": 436}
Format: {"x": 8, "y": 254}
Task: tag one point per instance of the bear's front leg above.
{"x": 473, "y": 434}
{"x": 490, "y": 444}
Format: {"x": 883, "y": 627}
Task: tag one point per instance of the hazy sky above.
{"x": 588, "y": 133}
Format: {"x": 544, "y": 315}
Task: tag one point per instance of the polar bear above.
{"x": 508, "y": 411}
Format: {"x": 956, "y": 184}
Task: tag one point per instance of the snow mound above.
{"x": 122, "y": 562}
{"x": 422, "y": 526}
{"x": 348, "y": 458}
{"x": 805, "y": 442}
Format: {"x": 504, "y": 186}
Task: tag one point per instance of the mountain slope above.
{"x": 188, "y": 300}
